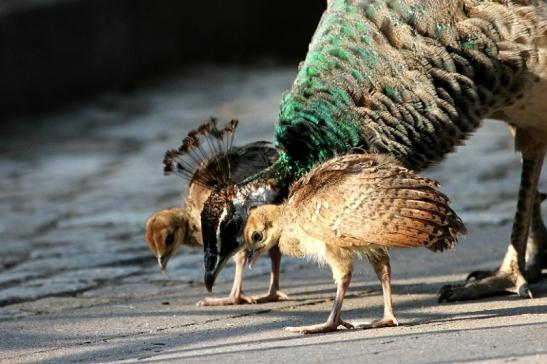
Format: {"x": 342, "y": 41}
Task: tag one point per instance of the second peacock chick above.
{"x": 355, "y": 206}
{"x": 210, "y": 157}
{"x": 168, "y": 229}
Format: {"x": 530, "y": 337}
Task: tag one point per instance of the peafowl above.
{"x": 355, "y": 206}
{"x": 209, "y": 153}
{"x": 409, "y": 79}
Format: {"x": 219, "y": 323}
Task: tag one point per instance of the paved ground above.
{"x": 77, "y": 283}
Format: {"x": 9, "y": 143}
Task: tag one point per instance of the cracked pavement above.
{"x": 77, "y": 283}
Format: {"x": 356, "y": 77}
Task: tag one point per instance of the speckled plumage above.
{"x": 357, "y": 205}
{"x": 409, "y": 79}
{"x": 244, "y": 162}
{"x": 360, "y": 199}
{"x": 412, "y": 79}
{"x": 167, "y": 229}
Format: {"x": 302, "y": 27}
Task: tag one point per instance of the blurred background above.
{"x": 92, "y": 94}
{"x": 53, "y": 52}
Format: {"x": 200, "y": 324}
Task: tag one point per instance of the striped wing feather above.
{"x": 357, "y": 200}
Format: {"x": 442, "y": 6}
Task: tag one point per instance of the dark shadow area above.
{"x": 137, "y": 348}
{"x": 58, "y": 51}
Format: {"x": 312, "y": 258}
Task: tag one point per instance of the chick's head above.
{"x": 165, "y": 231}
{"x": 262, "y": 230}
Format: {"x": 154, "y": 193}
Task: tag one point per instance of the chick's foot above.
{"x": 272, "y": 296}
{"x": 320, "y": 328}
{"x": 231, "y": 300}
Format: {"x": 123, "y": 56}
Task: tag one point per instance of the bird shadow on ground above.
{"x": 282, "y": 316}
{"x": 270, "y": 343}
{"x": 156, "y": 344}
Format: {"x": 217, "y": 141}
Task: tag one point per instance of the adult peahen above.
{"x": 410, "y": 79}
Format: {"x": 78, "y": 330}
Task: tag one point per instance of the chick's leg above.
{"x": 274, "y": 293}
{"x": 510, "y": 276}
{"x": 383, "y": 271}
{"x": 334, "y": 318}
{"x": 236, "y": 296}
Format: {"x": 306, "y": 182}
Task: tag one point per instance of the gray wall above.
{"x": 65, "y": 50}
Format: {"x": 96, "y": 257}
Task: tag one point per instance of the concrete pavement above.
{"x": 77, "y": 283}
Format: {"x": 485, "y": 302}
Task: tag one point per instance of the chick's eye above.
{"x": 257, "y": 237}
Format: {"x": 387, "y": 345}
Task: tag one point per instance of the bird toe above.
{"x": 478, "y": 275}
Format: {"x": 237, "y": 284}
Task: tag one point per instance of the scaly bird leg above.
{"x": 274, "y": 293}
{"x": 383, "y": 271}
{"x": 537, "y": 243}
{"x": 334, "y": 318}
{"x": 536, "y": 248}
{"x": 510, "y": 276}
{"x": 236, "y": 296}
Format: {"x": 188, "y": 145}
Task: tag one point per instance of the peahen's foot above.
{"x": 320, "y": 328}
{"x": 385, "y": 322}
{"x": 488, "y": 286}
{"x": 477, "y": 275}
{"x": 535, "y": 263}
{"x": 272, "y": 296}
{"x": 227, "y": 301}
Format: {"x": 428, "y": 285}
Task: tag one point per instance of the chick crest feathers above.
{"x": 204, "y": 155}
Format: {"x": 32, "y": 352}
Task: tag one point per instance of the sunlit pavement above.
{"x": 77, "y": 283}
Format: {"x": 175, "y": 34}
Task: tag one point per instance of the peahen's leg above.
{"x": 274, "y": 293}
{"x": 236, "y": 296}
{"x": 383, "y": 271}
{"x": 536, "y": 250}
{"x": 510, "y": 276}
{"x": 334, "y": 320}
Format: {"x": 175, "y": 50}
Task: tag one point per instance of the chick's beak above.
{"x": 252, "y": 256}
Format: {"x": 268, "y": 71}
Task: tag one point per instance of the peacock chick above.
{"x": 355, "y": 206}
{"x": 168, "y": 229}
{"x": 165, "y": 231}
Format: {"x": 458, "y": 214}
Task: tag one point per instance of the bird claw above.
{"x": 320, "y": 328}
{"x": 479, "y": 274}
{"x": 524, "y": 291}
{"x": 489, "y": 286}
{"x": 446, "y": 292}
{"x": 231, "y": 300}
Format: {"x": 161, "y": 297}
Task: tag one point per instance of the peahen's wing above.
{"x": 362, "y": 199}
{"x": 247, "y": 160}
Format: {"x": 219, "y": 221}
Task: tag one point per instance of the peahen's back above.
{"x": 413, "y": 78}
